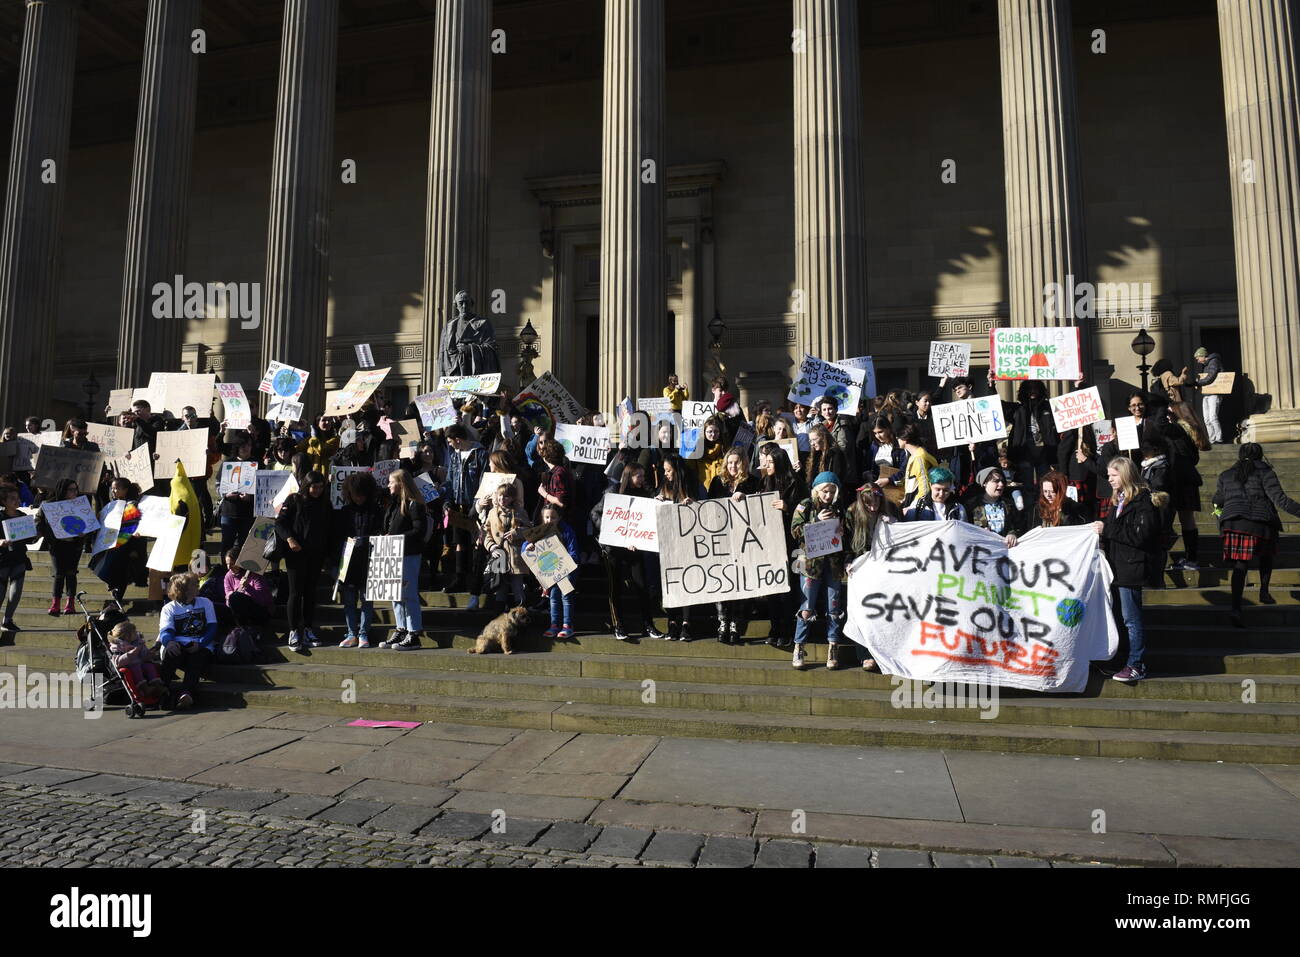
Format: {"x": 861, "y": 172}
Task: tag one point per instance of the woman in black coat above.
{"x": 1249, "y": 497}
{"x": 1187, "y": 440}
{"x": 406, "y": 515}
{"x": 358, "y": 519}
{"x": 1034, "y": 439}
{"x": 775, "y": 475}
{"x": 305, "y": 527}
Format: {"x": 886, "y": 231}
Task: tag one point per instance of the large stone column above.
{"x": 1040, "y": 144}
{"x": 830, "y": 298}
{"x": 33, "y": 213}
{"x": 633, "y": 176}
{"x": 157, "y": 220}
{"x": 460, "y": 155}
{"x": 296, "y": 295}
{"x": 1258, "y": 43}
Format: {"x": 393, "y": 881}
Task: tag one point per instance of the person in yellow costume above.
{"x": 183, "y": 494}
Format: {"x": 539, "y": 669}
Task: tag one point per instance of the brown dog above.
{"x": 501, "y": 632}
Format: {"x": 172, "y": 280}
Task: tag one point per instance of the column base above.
{"x": 1280, "y": 426}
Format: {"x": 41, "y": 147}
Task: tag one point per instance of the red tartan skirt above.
{"x": 1243, "y": 546}
{"x": 1104, "y": 507}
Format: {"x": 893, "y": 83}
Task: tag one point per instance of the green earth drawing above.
{"x": 1069, "y": 612}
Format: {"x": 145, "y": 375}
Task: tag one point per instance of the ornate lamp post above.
{"x": 528, "y": 339}
{"x": 1143, "y": 345}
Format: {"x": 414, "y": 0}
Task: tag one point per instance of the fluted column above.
{"x": 1040, "y": 143}
{"x": 296, "y": 295}
{"x": 33, "y": 212}
{"x": 1258, "y": 43}
{"x": 456, "y": 220}
{"x": 633, "y": 305}
{"x": 830, "y": 299}
{"x": 157, "y": 218}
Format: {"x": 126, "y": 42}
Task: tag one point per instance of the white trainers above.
{"x": 1190, "y": 566}
{"x": 472, "y": 604}
{"x": 799, "y": 657}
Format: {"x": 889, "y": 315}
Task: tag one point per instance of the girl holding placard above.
{"x": 14, "y": 563}
{"x": 735, "y": 482}
{"x": 823, "y": 575}
{"x": 65, "y": 553}
{"x": 775, "y": 475}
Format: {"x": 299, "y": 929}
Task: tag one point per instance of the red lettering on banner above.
{"x": 1006, "y": 655}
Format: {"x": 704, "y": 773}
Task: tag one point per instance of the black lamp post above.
{"x": 717, "y": 329}
{"x": 528, "y": 337}
{"x": 91, "y": 388}
{"x": 1143, "y": 345}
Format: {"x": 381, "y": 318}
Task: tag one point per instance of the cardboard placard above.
{"x": 550, "y": 563}
{"x": 188, "y": 445}
{"x": 110, "y": 523}
{"x": 235, "y": 409}
{"x": 547, "y": 403}
{"x": 868, "y": 367}
{"x": 112, "y": 440}
{"x": 1127, "y": 433}
{"x": 283, "y": 381}
{"x": 162, "y": 557}
{"x": 55, "y": 463}
{"x": 628, "y": 521}
{"x": 281, "y": 409}
{"x": 136, "y": 467}
{"x": 154, "y": 511}
{"x": 250, "y": 554}
{"x": 463, "y": 386}
{"x": 119, "y": 401}
{"x": 697, "y": 413}
{"x": 458, "y": 519}
{"x": 822, "y": 538}
{"x": 70, "y": 518}
{"x": 968, "y": 420}
{"x": 721, "y": 550}
{"x": 654, "y": 404}
{"x": 385, "y": 468}
{"x": 818, "y": 379}
{"x": 584, "y": 443}
{"x": 384, "y": 576}
{"x": 948, "y": 359}
{"x": 436, "y": 410}
{"x": 1222, "y": 384}
{"x": 1046, "y": 353}
{"x": 271, "y": 491}
{"x": 339, "y": 475}
{"x": 1075, "y": 409}
{"x": 17, "y": 529}
{"x": 405, "y": 432}
{"x": 490, "y": 482}
{"x": 238, "y": 478}
{"x": 356, "y": 392}
{"x": 176, "y": 390}
{"x": 28, "y": 443}
{"x": 428, "y": 487}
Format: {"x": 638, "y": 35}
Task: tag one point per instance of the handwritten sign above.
{"x": 868, "y": 367}
{"x": 628, "y": 520}
{"x": 550, "y": 563}
{"x": 110, "y": 526}
{"x": 55, "y": 463}
{"x": 720, "y": 549}
{"x": 949, "y": 359}
{"x": 281, "y": 409}
{"x": 823, "y": 538}
{"x": 791, "y": 447}
{"x": 948, "y": 601}
{"x": 655, "y": 404}
{"x": 547, "y": 403}
{"x": 1222, "y": 384}
{"x": 385, "y": 468}
{"x": 384, "y": 576}
{"x": 1045, "y": 353}
{"x": 1103, "y": 431}
{"x": 338, "y": 475}
{"x": 695, "y": 414}
{"x": 462, "y": 386}
{"x": 119, "y": 401}
{"x": 71, "y": 518}
{"x": 17, "y": 529}
{"x": 154, "y": 510}
{"x": 267, "y": 497}
{"x": 584, "y": 443}
{"x": 365, "y": 357}
{"x": 819, "y": 379}
{"x": 283, "y": 381}
{"x": 111, "y": 439}
{"x": 1127, "y": 436}
{"x": 968, "y": 420}
{"x": 250, "y": 554}
{"x": 490, "y": 482}
{"x": 238, "y": 477}
{"x": 745, "y": 436}
{"x": 1075, "y": 409}
{"x": 353, "y": 396}
{"x": 136, "y": 466}
{"x": 234, "y": 404}
{"x": 188, "y": 445}
{"x": 177, "y": 390}
{"x": 429, "y": 489}
{"x": 163, "y": 557}
{"x": 436, "y": 410}
{"x": 27, "y": 444}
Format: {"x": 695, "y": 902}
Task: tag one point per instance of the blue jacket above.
{"x": 188, "y": 624}
{"x": 565, "y": 534}
{"x": 463, "y": 475}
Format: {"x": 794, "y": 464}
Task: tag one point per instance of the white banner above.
{"x": 969, "y": 420}
{"x": 628, "y": 520}
{"x": 136, "y": 466}
{"x": 463, "y": 386}
{"x": 110, "y": 523}
{"x": 654, "y": 404}
{"x": 339, "y": 475}
{"x": 188, "y": 445}
{"x": 162, "y": 557}
{"x": 584, "y": 443}
{"x": 721, "y": 550}
{"x": 1075, "y": 409}
{"x": 1050, "y": 352}
{"x": 71, "y": 517}
{"x": 283, "y": 381}
{"x": 384, "y": 577}
{"x": 181, "y": 389}
{"x": 154, "y": 511}
{"x": 949, "y": 359}
{"x": 112, "y": 440}
{"x": 822, "y": 538}
{"x": 1127, "y": 436}
{"x": 697, "y": 413}
{"x": 270, "y": 494}
{"x": 234, "y": 404}
{"x": 819, "y": 379}
{"x": 436, "y": 410}
{"x": 238, "y": 477}
{"x": 947, "y": 601}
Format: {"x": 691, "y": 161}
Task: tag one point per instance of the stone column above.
{"x": 295, "y": 299}
{"x": 830, "y": 297}
{"x": 633, "y": 172}
{"x": 460, "y": 156}
{"x": 33, "y": 212}
{"x": 1258, "y": 43}
{"x": 157, "y": 219}
{"x": 1040, "y": 139}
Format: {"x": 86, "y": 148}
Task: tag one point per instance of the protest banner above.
{"x": 1103, "y": 431}
{"x": 69, "y": 518}
{"x": 269, "y": 483}
{"x": 697, "y": 413}
{"x": 111, "y": 439}
{"x": 27, "y": 445}
{"x": 281, "y": 409}
{"x": 456, "y": 518}
{"x": 177, "y": 390}
{"x": 1222, "y": 384}
{"x": 464, "y": 386}
{"x": 436, "y": 410}
{"x": 55, "y": 463}
{"x": 894, "y": 493}
{"x": 822, "y": 538}
{"x": 547, "y": 403}
{"x": 584, "y": 443}
{"x": 354, "y": 394}
{"x": 154, "y": 397}
{"x": 1127, "y": 435}
{"x": 791, "y": 447}
{"x": 721, "y": 549}
{"x": 384, "y": 576}
{"x": 405, "y": 432}
{"x": 1075, "y": 409}
{"x": 234, "y": 404}
{"x": 188, "y": 445}
{"x": 628, "y": 521}
{"x": 238, "y": 477}
{"x": 119, "y": 401}
{"x": 17, "y": 529}
{"x": 1040, "y": 353}
{"x": 690, "y": 442}
{"x": 250, "y": 554}
{"x": 949, "y": 359}
{"x": 135, "y": 466}
{"x": 154, "y": 510}
{"x": 654, "y": 404}
{"x": 110, "y": 524}
{"x": 338, "y": 475}
{"x": 745, "y": 436}
{"x": 365, "y": 357}
{"x": 490, "y": 482}
{"x": 968, "y": 420}
{"x": 819, "y": 379}
{"x": 947, "y": 601}
{"x": 163, "y": 557}
{"x": 868, "y": 367}
{"x": 283, "y": 381}
{"x": 428, "y": 487}
{"x": 801, "y": 436}
{"x": 550, "y": 563}
{"x": 385, "y": 468}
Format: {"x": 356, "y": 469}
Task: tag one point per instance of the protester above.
{"x": 359, "y": 519}
{"x": 825, "y": 456}
{"x": 465, "y": 463}
{"x": 995, "y": 510}
{"x": 247, "y": 594}
{"x": 775, "y": 475}
{"x": 123, "y": 564}
{"x": 916, "y": 474}
{"x": 236, "y": 510}
{"x": 709, "y": 465}
{"x": 503, "y": 531}
{"x": 14, "y": 563}
{"x": 1247, "y": 500}
{"x": 821, "y": 576}
{"x": 561, "y": 602}
{"x": 65, "y": 553}
{"x": 941, "y": 505}
{"x": 1054, "y": 508}
{"x": 303, "y": 526}
{"x": 406, "y": 516}
{"x": 676, "y": 393}
{"x": 1187, "y": 446}
{"x": 673, "y": 489}
{"x": 1211, "y": 367}
{"x": 734, "y": 482}
{"x": 1034, "y": 438}
{"x": 187, "y": 634}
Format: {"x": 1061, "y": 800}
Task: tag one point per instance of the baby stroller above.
{"x": 94, "y": 657}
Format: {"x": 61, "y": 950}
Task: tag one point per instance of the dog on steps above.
{"x": 501, "y": 632}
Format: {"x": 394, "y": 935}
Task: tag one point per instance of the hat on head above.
{"x": 985, "y": 474}
{"x": 826, "y": 478}
{"x": 1201, "y": 353}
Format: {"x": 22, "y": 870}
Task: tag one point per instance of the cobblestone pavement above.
{"x": 76, "y": 819}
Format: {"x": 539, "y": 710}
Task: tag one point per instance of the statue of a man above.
{"x": 469, "y": 344}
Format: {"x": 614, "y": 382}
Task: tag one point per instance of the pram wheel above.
{"x": 135, "y": 710}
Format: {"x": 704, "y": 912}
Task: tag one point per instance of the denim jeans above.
{"x": 1130, "y": 604}
{"x": 407, "y": 613}
{"x": 829, "y": 582}
{"x": 559, "y": 600}
{"x": 11, "y": 580}
{"x": 354, "y": 595}
{"x": 1210, "y": 412}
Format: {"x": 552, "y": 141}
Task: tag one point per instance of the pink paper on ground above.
{"x": 368, "y": 723}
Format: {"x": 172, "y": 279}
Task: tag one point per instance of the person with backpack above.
{"x": 1247, "y": 500}
{"x": 406, "y": 516}
{"x": 304, "y": 527}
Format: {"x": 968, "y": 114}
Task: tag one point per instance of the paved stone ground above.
{"x": 97, "y": 820}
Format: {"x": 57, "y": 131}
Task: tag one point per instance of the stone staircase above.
{"x": 1217, "y": 693}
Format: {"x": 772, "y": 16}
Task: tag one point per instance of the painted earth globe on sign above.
{"x": 286, "y": 382}
{"x": 73, "y": 525}
{"x": 1069, "y": 612}
{"x": 837, "y": 393}
{"x": 548, "y": 562}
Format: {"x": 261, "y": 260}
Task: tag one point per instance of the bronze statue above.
{"x": 469, "y": 344}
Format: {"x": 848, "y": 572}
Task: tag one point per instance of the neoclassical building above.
{"x": 641, "y": 180}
